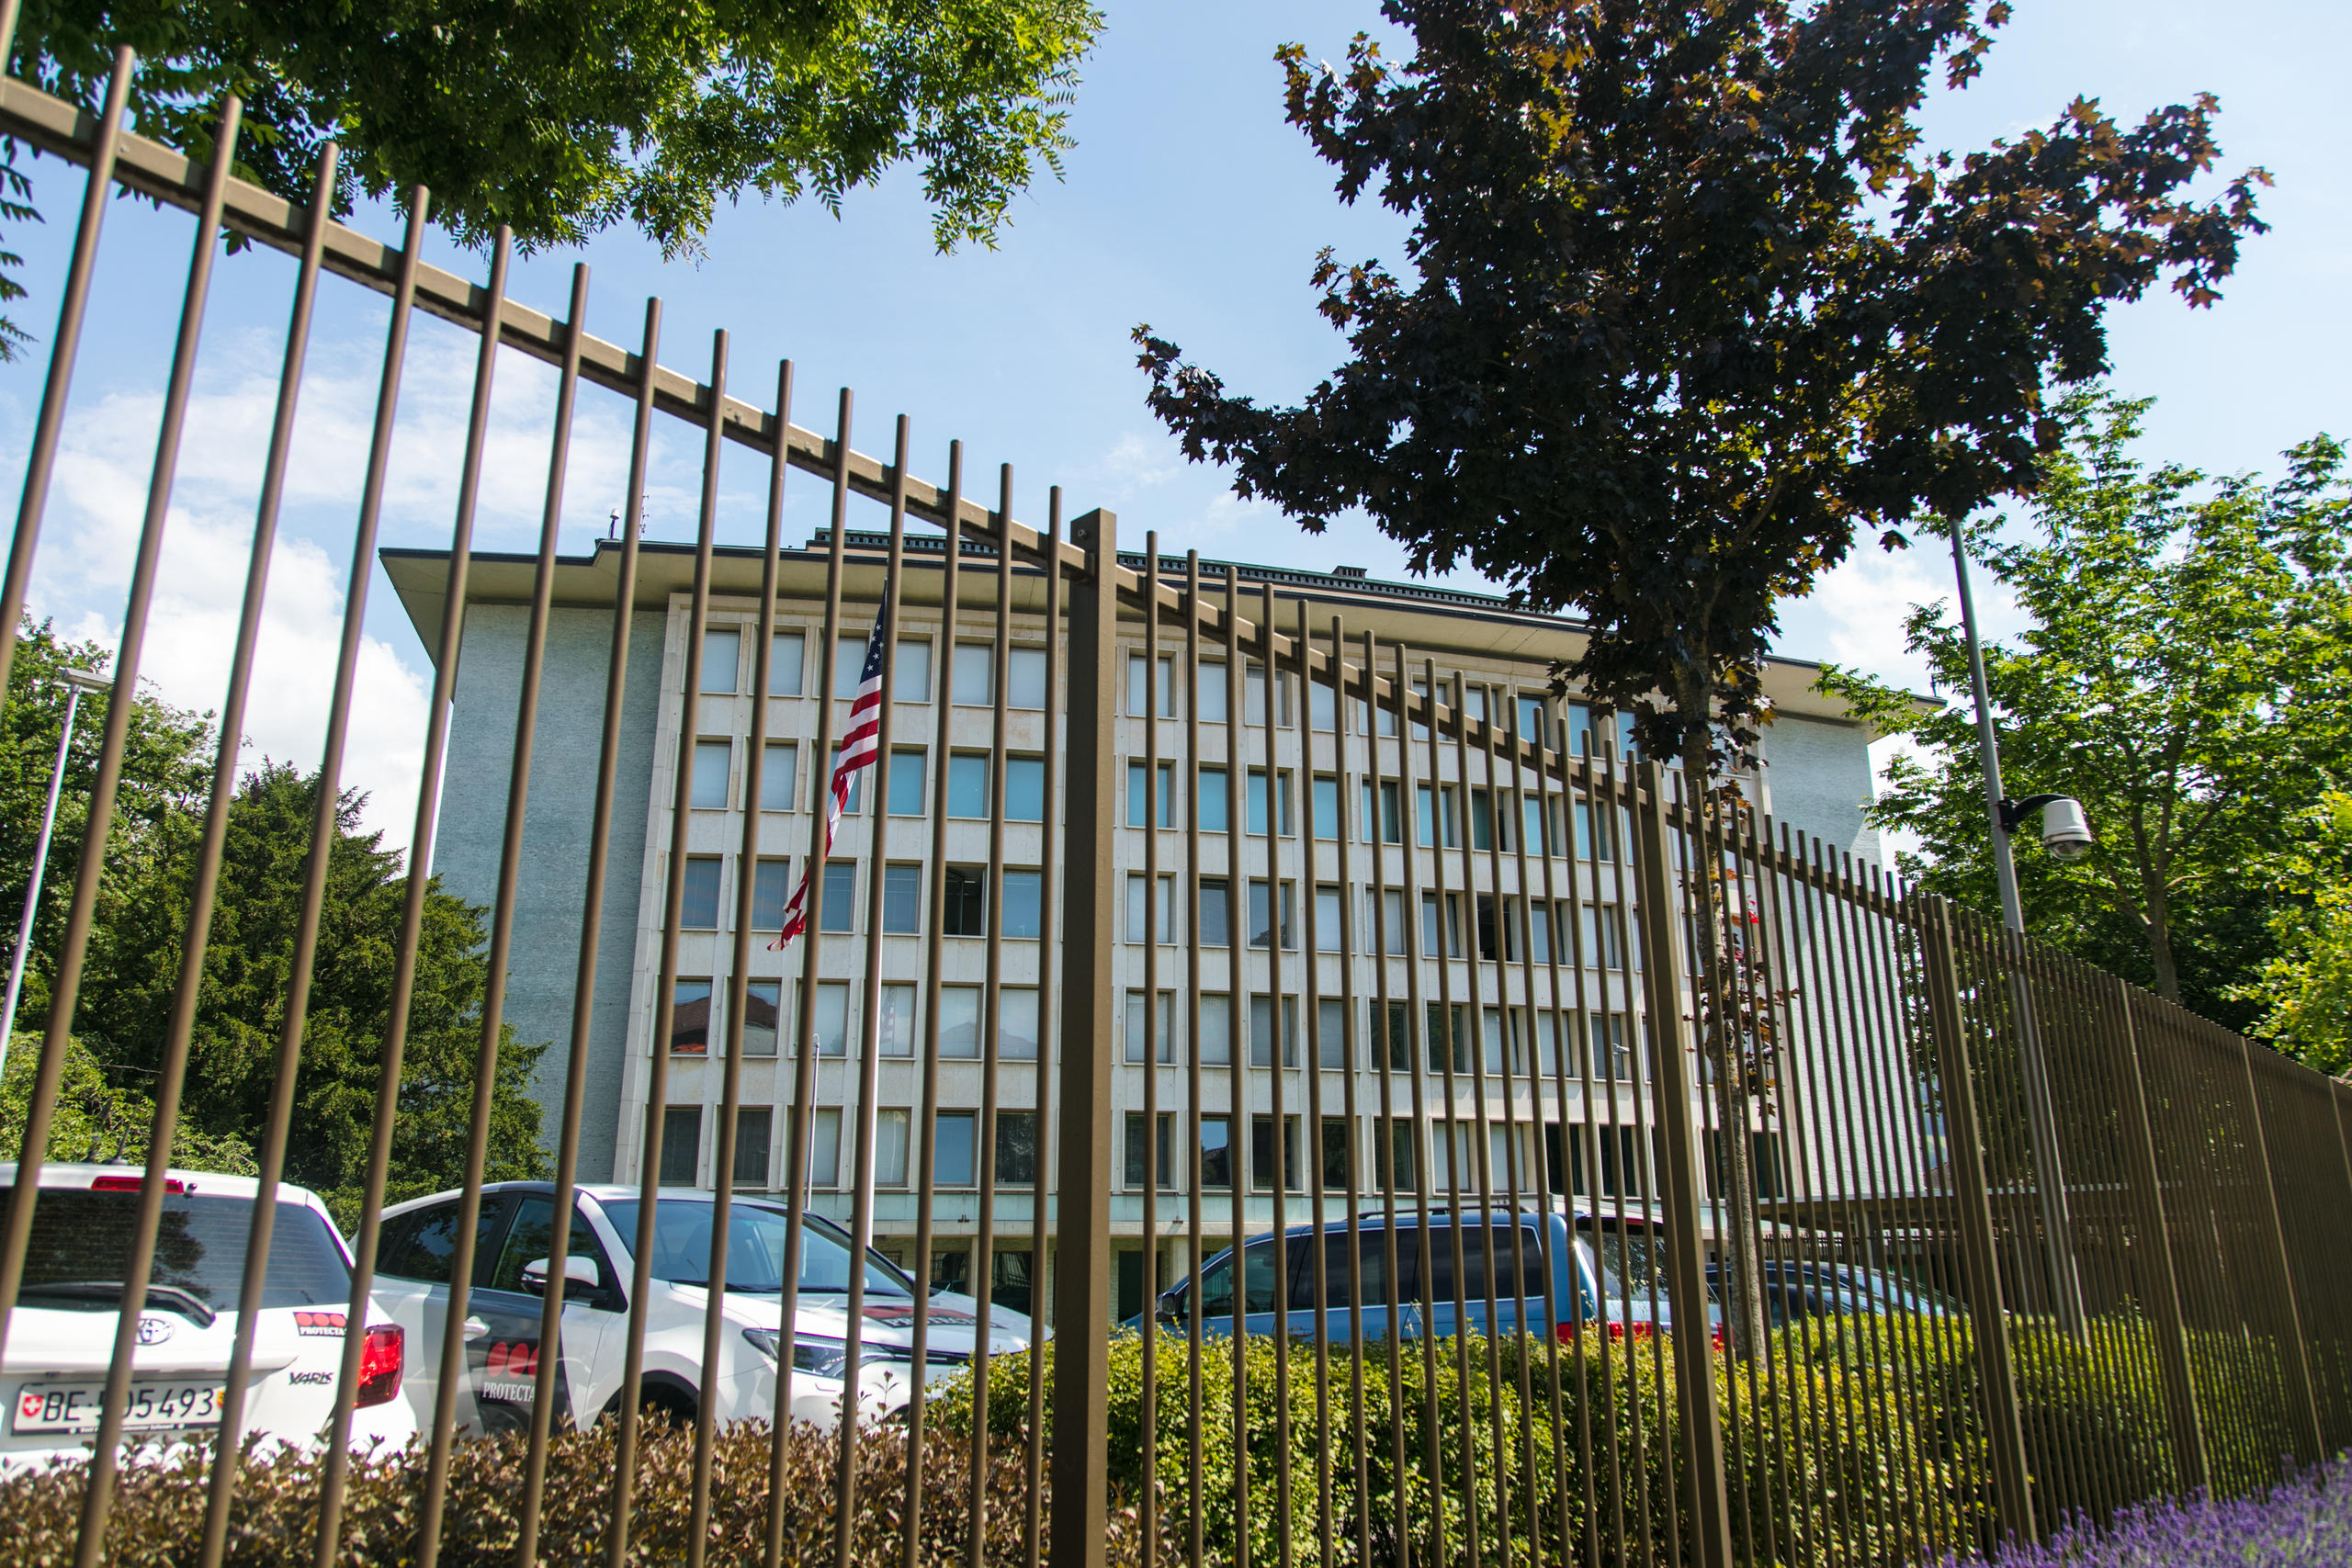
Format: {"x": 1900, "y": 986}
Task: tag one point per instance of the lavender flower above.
{"x": 2306, "y": 1522}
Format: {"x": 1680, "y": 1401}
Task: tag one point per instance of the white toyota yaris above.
{"x": 54, "y": 1367}
{"x": 508, "y": 1297}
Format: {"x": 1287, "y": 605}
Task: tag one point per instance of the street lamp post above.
{"x": 77, "y": 682}
{"x": 2067, "y": 835}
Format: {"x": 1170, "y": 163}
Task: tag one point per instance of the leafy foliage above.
{"x": 98, "y": 1118}
{"x": 2183, "y": 675}
{"x": 2305, "y": 988}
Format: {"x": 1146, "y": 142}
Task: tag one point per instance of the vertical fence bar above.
{"x": 1147, "y": 1500}
{"x": 1049, "y": 1018}
{"x": 1240, "y": 1145}
{"x": 2295, "y": 1354}
{"x": 1351, "y": 1062}
{"x": 1311, "y": 1066}
{"x": 1081, "y": 1281}
{"x": 1662, "y": 945}
{"x": 1196, "y": 1161}
{"x": 1278, "y": 1046}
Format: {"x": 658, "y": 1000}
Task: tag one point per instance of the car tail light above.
{"x": 1640, "y": 1328}
{"x": 1566, "y": 1332}
{"x": 1718, "y": 1337}
{"x": 379, "y": 1364}
{"x": 133, "y": 1183}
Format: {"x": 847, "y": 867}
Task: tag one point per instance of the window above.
{"x": 1137, "y": 696}
{"x": 1209, "y": 802}
{"x": 1326, "y": 806}
{"x": 1138, "y": 805}
{"x": 1547, "y": 1044}
{"x": 1024, "y": 904}
{"x": 897, "y": 1024}
{"x": 1162, "y": 1156}
{"x": 1162, "y": 1026}
{"x": 771, "y": 887}
{"x": 786, "y": 652}
{"x": 890, "y": 1148}
{"x": 762, "y": 1000}
{"x": 1262, "y": 919}
{"x": 1490, "y": 826}
{"x": 1261, "y": 1031}
{"x": 1538, "y": 819}
{"x": 681, "y": 1144}
{"x": 1619, "y": 1161}
{"x": 699, "y": 909}
{"x": 849, "y": 665}
{"x": 1451, "y": 944}
{"x": 1216, "y": 912}
{"x": 1261, "y": 1152}
{"x": 1611, "y": 1057}
{"x": 1388, "y": 819}
{"x": 1164, "y": 915}
{"x": 1018, "y": 1027}
{"x": 1399, "y": 1170}
{"x": 841, "y": 896}
{"x": 1338, "y": 1155}
{"x": 1586, "y": 735}
{"x": 1530, "y": 719}
{"x": 1253, "y": 696}
{"x": 911, "y": 682}
{"x": 1539, "y": 928}
{"x": 1210, "y": 684}
{"x": 905, "y": 794}
{"x": 974, "y": 675}
{"x": 1448, "y": 1027}
{"x": 752, "y": 1127}
{"x": 1024, "y": 789}
{"x": 690, "y": 1018}
{"x": 832, "y": 1018}
{"x": 954, "y": 1135}
{"x": 1330, "y": 1032}
{"x": 1392, "y": 1037}
{"x": 779, "y": 775}
{"x": 1216, "y": 1153}
{"x": 1497, "y": 928}
{"x": 1330, "y": 919}
{"x": 1024, "y": 678}
{"x": 1384, "y": 920}
{"x": 1421, "y": 690}
{"x": 1604, "y": 937}
{"x": 1501, "y": 1036}
{"x": 1282, "y": 802}
{"x": 965, "y": 911}
{"x": 1216, "y": 1029}
{"x": 1440, "y": 813}
{"x": 1322, "y": 707}
{"x": 1016, "y": 1152}
{"x": 825, "y": 1146}
{"x": 959, "y": 1021}
{"x": 1597, "y": 837}
{"x": 901, "y": 899}
{"x": 1474, "y": 702}
{"x": 708, "y": 789}
{"x": 967, "y": 785}
{"x": 722, "y": 652}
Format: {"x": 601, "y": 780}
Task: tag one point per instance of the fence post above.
{"x": 1971, "y": 1196}
{"x": 2294, "y": 1357}
{"x": 1082, "y": 1269}
{"x": 1686, "y": 1279}
{"x": 2172, "y": 1334}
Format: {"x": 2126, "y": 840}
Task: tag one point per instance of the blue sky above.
{"x": 1187, "y": 204}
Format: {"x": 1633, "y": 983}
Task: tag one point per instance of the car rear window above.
{"x": 85, "y": 1237}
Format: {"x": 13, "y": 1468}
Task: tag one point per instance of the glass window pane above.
{"x": 911, "y": 679}
{"x": 1210, "y": 687}
{"x": 898, "y": 1021}
{"x": 1326, "y": 807}
{"x": 779, "y": 762}
{"x": 849, "y": 663}
{"x": 722, "y": 650}
{"x": 1331, "y": 918}
{"x": 709, "y": 790}
{"x": 957, "y": 1139}
{"x": 972, "y": 676}
{"x": 840, "y": 912}
{"x": 965, "y": 911}
{"x": 1217, "y": 1030}
{"x": 771, "y": 887}
{"x": 786, "y": 652}
{"x": 1017, "y": 1023}
{"x": 825, "y": 1148}
{"x": 1016, "y": 1161}
{"x": 906, "y": 784}
{"x": 1216, "y": 914}
{"x": 699, "y": 912}
{"x": 1024, "y": 789}
{"x": 1330, "y": 1032}
{"x": 832, "y": 1018}
{"x": 959, "y": 1021}
{"x": 751, "y": 1129}
{"x": 901, "y": 899}
{"x": 681, "y": 1144}
{"x": 890, "y": 1148}
{"x": 690, "y": 1018}
{"x": 1322, "y": 705}
{"x": 1024, "y": 904}
{"x": 760, "y": 1004}
{"x": 1216, "y": 1153}
{"x": 1209, "y": 802}
{"x": 967, "y": 785}
{"x": 1024, "y": 678}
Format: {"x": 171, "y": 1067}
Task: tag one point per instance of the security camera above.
{"x": 2065, "y": 831}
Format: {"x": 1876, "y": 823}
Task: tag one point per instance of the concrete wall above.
{"x": 554, "y": 865}
{"x": 1817, "y": 779}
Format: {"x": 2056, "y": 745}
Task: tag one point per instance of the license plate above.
{"x": 154, "y": 1407}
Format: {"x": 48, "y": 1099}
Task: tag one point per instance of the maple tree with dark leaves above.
{"x": 1689, "y": 308}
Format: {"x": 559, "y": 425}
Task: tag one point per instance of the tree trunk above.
{"x": 2160, "y": 940}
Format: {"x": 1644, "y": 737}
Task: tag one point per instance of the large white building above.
{"x": 1296, "y": 984}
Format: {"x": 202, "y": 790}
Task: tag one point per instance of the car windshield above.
{"x": 756, "y": 1238}
{"x": 80, "y": 1237}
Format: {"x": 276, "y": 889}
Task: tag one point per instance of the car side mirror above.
{"x": 581, "y": 1271}
{"x": 1172, "y": 1307}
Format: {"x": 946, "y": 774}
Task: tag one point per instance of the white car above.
{"x": 507, "y": 1300}
{"x": 53, "y": 1368}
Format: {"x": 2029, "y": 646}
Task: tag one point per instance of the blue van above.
{"x": 1278, "y": 1280}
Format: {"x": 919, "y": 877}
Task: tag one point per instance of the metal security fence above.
{"x": 1602, "y": 1174}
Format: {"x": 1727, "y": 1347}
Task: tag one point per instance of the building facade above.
{"x": 1519, "y": 952}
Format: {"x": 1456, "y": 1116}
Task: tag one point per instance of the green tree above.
{"x": 566, "y": 117}
{"x": 241, "y": 1010}
{"x": 2183, "y": 673}
{"x": 166, "y": 769}
{"x": 2304, "y": 987}
{"x": 105, "y": 1114}
{"x": 1692, "y": 308}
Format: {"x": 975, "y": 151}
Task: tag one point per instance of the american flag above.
{"x": 861, "y": 743}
